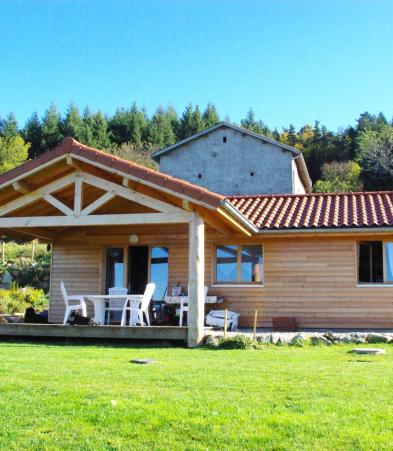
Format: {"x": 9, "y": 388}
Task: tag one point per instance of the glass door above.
{"x": 159, "y": 271}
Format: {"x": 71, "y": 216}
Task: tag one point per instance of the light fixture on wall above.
{"x": 133, "y": 239}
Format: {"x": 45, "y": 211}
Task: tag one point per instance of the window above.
{"x": 375, "y": 262}
{"x": 114, "y": 267}
{"x": 226, "y": 264}
{"x": 159, "y": 270}
{"x": 239, "y": 264}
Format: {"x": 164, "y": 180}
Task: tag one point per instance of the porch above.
{"x": 104, "y": 218}
{"x": 170, "y": 333}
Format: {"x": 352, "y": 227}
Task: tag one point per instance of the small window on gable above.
{"x": 224, "y": 139}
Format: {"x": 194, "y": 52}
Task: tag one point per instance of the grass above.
{"x": 314, "y": 398}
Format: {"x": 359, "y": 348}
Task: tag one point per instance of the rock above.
{"x": 275, "y": 338}
{"x": 331, "y": 336}
{"x": 358, "y": 338}
{"x": 286, "y": 338}
{"x": 346, "y": 339}
{"x": 298, "y": 340}
{"x": 376, "y": 338}
{"x": 264, "y": 339}
{"x": 211, "y": 340}
{"x": 318, "y": 340}
{"x": 368, "y": 351}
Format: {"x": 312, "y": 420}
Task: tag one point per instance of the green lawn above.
{"x": 59, "y": 397}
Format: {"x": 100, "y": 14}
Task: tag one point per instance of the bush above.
{"x": 17, "y": 300}
{"x": 26, "y": 273}
{"x": 238, "y": 342}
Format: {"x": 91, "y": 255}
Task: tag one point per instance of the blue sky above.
{"x": 291, "y": 61}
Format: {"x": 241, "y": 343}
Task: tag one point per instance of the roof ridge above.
{"x": 341, "y": 193}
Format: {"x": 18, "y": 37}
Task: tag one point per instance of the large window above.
{"x": 239, "y": 264}
{"x": 375, "y": 262}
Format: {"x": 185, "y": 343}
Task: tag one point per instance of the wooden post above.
{"x": 225, "y": 322}
{"x": 255, "y": 324}
{"x": 196, "y": 281}
{"x": 78, "y": 196}
{"x": 32, "y": 250}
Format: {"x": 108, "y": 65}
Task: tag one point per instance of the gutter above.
{"x": 337, "y": 230}
{"x": 303, "y": 172}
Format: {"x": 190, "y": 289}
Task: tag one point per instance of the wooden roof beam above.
{"x": 22, "y": 187}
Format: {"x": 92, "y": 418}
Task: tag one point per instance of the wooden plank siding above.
{"x": 312, "y": 278}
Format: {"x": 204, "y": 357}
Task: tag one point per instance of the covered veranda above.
{"x": 84, "y": 202}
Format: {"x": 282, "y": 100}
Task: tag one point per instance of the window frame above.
{"x": 239, "y": 282}
{"x": 385, "y": 283}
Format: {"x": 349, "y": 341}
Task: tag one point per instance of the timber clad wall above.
{"x": 310, "y": 278}
{"x": 79, "y": 268}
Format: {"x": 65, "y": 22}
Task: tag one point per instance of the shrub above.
{"x": 238, "y": 342}
{"x": 17, "y": 300}
{"x": 25, "y": 273}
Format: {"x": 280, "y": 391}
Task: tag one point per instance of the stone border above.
{"x": 327, "y": 338}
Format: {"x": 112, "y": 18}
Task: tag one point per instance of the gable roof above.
{"x": 316, "y": 211}
{"x": 70, "y": 146}
{"x": 297, "y": 155}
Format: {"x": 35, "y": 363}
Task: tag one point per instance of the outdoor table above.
{"x": 99, "y": 300}
{"x": 184, "y": 299}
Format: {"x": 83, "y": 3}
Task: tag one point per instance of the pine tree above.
{"x": 32, "y": 133}
{"x": 72, "y": 124}
{"x": 10, "y": 129}
{"x": 86, "y": 135}
{"x": 185, "y": 128}
{"x": 161, "y": 131}
{"x": 138, "y": 124}
{"x": 292, "y": 135}
{"x": 119, "y": 126}
{"x": 251, "y": 124}
{"x": 100, "y": 131}
{"x": 191, "y": 122}
{"x": 210, "y": 116}
{"x": 51, "y": 133}
{"x": 198, "y": 123}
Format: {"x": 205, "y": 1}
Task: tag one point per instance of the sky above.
{"x": 290, "y": 61}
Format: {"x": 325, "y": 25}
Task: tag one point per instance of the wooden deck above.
{"x": 98, "y": 332}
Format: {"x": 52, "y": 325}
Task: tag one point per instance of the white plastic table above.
{"x": 184, "y": 299}
{"x": 98, "y": 301}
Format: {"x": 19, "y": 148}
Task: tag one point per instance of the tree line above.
{"x": 357, "y": 157}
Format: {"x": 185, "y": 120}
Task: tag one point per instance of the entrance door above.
{"x": 148, "y": 265}
{"x": 138, "y": 269}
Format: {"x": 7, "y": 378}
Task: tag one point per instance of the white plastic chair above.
{"x": 184, "y": 307}
{"x": 115, "y": 304}
{"x": 137, "y": 311}
{"x": 72, "y": 307}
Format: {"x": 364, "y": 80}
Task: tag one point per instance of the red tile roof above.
{"x": 70, "y": 146}
{"x": 315, "y": 211}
